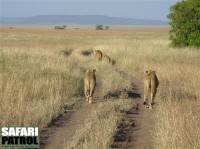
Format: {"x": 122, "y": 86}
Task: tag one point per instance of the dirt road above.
{"x": 63, "y": 128}
{"x": 135, "y": 135}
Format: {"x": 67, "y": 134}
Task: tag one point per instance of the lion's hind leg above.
{"x": 146, "y": 90}
{"x": 91, "y": 95}
{"x": 87, "y": 93}
{"x": 87, "y": 97}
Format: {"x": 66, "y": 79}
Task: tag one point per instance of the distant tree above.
{"x": 106, "y": 27}
{"x": 60, "y": 27}
{"x": 185, "y": 23}
{"x": 99, "y": 27}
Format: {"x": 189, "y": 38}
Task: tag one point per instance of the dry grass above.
{"x": 110, "y": 80}
{"x": 178, "y": 125}
{"x": 101, "y": 125}
{"x": 178, "y": 72}
{"x": 35, "y": 84}
{"x": 34, "y": 73}
{"x": 38, "y": 79}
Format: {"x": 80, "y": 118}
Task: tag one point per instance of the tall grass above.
{"x": 35, "y": 89}
{"x": 178, "y": 125}
{"x": 177, "y": 121}
{"x": 37, "y": 80}
{"x": 178, "y": 72}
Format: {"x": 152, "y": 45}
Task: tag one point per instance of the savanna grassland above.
{"x": 38, "y": 81}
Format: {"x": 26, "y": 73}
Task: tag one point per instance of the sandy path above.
{"x": 136, "y": 135}
{"x": 63, "y": 128}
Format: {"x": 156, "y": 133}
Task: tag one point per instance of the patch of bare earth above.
{"x": 135, "y": 130}
{"x": 62, "y": 129}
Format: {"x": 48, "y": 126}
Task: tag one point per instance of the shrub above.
{"x": 185, "y": 25}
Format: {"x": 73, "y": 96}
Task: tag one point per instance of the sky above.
{"x": 140, "y": 9}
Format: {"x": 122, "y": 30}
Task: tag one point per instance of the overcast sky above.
{"x": 141, "y": 9}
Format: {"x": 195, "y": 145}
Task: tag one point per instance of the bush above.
{"x": 185, "y": 25}
{"x": 106, "y": 27}
{"x": 99, "y": 27}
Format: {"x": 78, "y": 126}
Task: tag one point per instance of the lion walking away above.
{"x": 89, "y": 84}
{"x": 98, "y": 54}
{"x": 107, "y": 58}
{"x": 150, "y": 83}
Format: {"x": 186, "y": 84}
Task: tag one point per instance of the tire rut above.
{"x": 62, "y": 130}
{"x": 137, "y": 133}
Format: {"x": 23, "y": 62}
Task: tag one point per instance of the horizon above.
{"x": 85, "y": 15}
{"x": 134, "y": 9}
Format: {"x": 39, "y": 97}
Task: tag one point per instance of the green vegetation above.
{"x": 185, "y": 23}
{"x": 99, "y": 27}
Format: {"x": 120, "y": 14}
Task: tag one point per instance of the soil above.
{"x": 62, "y": 129}
{"x": 136, "y": 134}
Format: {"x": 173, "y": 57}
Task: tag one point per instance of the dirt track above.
{"x": 65, "y": 126}
{"x": 135, "y": 135}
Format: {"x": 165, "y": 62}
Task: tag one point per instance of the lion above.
{"x": 89, "y": 84}
{"x": 150, "y": 82}
{"x": 107, "y": 58}
{"x": 98, "y": 54}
